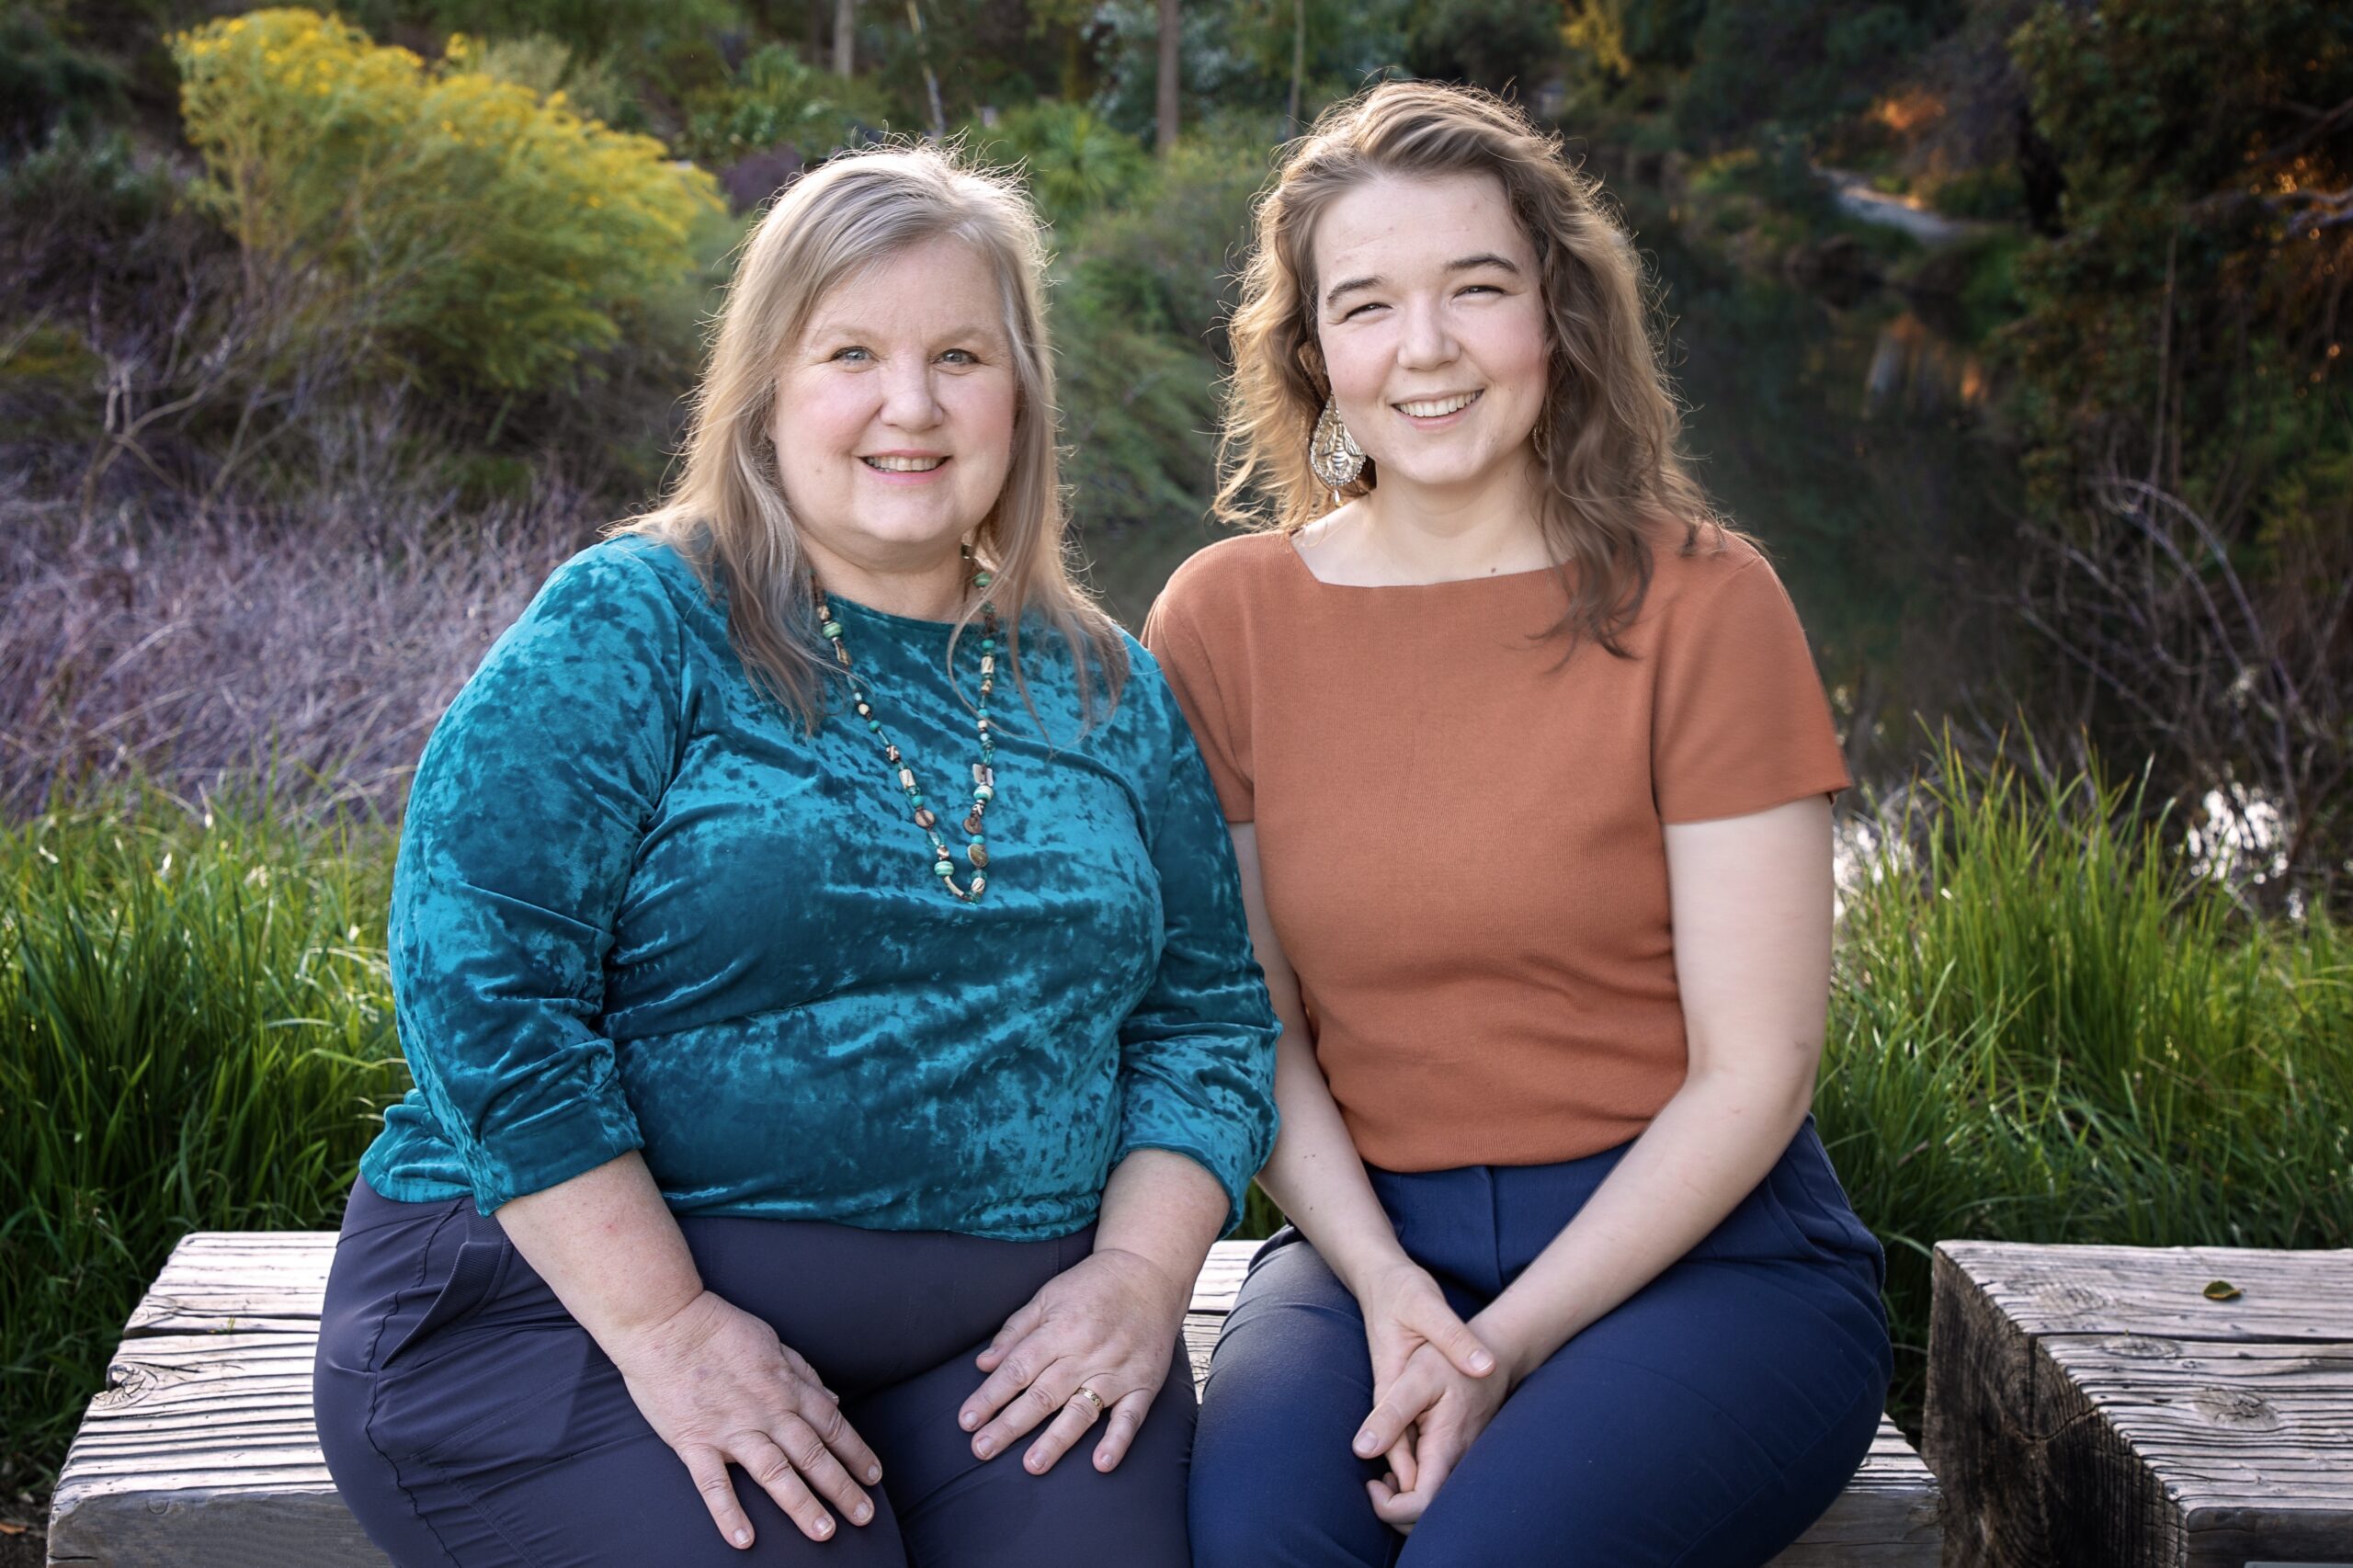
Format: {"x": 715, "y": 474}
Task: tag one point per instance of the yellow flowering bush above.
{"x": 480, "y": 231}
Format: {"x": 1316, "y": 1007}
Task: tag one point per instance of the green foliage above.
{"x": 1797, "y": 63}
{"x": 195, "y": 1034}
{"x": 1072, "y": 162}
{"x": 590, "y": 30}
{"x": 774, "y": 99}
{"x": 2046, "y": 1026}
{"x": 1505, "y": 46}
{"x": 1139, "y": 314}
{"x": 2191, "y": 149}
{"x": 46, "y": 83}
{"x": 547, "y": 66}
{"x": 489, "y": 237}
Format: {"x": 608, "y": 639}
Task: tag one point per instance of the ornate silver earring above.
{"x": 1333, "y": 452}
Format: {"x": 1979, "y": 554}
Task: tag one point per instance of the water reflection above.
{"x": 1915, "y": 370}
{"x": 1852, "y": 440}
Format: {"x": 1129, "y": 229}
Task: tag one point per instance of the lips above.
{"x": 895, "y": 462}
{"x": 1439, "y": 407}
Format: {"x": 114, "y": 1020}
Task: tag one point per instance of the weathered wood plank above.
{"x": 2090, "y": 1405}
{"x": 202, "y": 1453}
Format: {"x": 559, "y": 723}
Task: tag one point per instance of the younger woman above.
{"x": 1528, "y": 770}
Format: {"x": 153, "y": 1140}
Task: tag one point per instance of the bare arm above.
{"x": 712, "y": 1381}
{"x": 1752, "y": 902}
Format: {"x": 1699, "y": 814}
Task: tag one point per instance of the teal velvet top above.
{"x": 639, "y": 906}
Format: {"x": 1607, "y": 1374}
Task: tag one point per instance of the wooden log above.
{"x": 2091, "y": 1406}
{"x": 202, "y": 1452}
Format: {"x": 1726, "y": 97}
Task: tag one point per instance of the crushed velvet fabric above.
{"x": 639, "y": 906}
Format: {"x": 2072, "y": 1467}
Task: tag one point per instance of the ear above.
{"x": 1311, "y": 359}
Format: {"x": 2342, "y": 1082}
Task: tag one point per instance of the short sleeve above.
{"x": 527, "y": 814}
{"x": 1220, "y": 716}
{"x": 1739, "y": 724}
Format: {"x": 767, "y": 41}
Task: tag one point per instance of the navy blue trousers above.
{"x": 471, "y": 1423}
{"x": 1705, "y": 1422}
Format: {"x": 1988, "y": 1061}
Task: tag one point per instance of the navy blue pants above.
{"x": 471, "y": 1423}
{"x": 1707, "y": 1421}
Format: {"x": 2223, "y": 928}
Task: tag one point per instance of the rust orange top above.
{"x": 1461, "y": 833}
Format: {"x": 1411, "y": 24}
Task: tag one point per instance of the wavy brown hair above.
{"x": 1611, "y": 430}
{"x": 726, "y": 511}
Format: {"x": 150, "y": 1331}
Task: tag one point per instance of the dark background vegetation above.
{"x": 2013, "y": 326}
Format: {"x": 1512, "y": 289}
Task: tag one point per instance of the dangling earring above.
{"x": 1333, "y": 452}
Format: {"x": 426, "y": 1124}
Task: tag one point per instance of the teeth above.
{"x": 1432, "y": 410}
{"x": 904, "y": 465}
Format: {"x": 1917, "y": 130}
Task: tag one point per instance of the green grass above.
{"x": 2046, "y": 1028}
{"x": 195, "y": 1033}
{"x": 2043, "y": 1028}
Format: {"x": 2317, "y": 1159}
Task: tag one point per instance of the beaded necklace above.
{"x": 943, "y": 864}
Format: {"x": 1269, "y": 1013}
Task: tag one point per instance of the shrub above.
{"x": 488, "y": 236}
{"x": 1073, "y": 161}
{"x": 773, "y": 100}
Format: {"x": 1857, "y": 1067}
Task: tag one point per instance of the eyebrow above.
{"x": 1462, "y": 264}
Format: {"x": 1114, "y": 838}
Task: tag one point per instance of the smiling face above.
{"x": 895, "y": 414}
{"x": 1431, "y": 323}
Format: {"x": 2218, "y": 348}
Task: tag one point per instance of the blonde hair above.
{"x": 1610, "y": 431}
{"x": 726, "y": 511}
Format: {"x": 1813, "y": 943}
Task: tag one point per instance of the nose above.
{"x": 910, "y": 399}
{"x": 1426, "y": 344}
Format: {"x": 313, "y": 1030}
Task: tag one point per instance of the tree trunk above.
{"x": 1298, "y": 55}
{"x": 1166, "y": 118}
{"x": 844, "y": 35}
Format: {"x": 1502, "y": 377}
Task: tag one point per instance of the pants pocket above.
{"x": 474, "y": 1276}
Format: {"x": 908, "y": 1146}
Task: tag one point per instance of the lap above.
{"x": 471, "y": 1422}
{"x": 1708, "y": 1419}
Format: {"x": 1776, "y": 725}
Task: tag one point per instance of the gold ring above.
{"x": 1092, "y": 1398}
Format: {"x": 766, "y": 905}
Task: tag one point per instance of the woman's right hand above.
{"x": 1405, "y": 1311}
{"x": 720, "y": 1388}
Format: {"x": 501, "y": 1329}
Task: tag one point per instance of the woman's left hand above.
{"x": 1438, "y": 1412}
{"x": 1109, "y": 1324}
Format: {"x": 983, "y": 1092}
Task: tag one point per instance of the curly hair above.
{"x": 1609, "y": 432}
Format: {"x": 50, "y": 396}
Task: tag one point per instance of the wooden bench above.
{"x": 2095, "y": 1405}
{"x": 202, "y": 1453}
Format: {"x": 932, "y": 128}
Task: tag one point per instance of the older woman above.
{"x": 820, "y": 958}
{"x": 1528, "y": 769}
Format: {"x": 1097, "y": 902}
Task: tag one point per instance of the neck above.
{"x": 1417, "y": 533}
{"x": 932, "y": 588}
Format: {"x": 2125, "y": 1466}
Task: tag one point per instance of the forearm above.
{"x": 1315, "y": 1175}
{"x": 1164, "y": 1209}
{"x": 1703, "y": 1153}
{"x": 608, "y": 1246}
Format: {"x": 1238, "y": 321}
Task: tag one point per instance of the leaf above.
{"x": 2222, "y": 1290}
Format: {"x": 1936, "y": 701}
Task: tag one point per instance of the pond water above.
{"x": 1850, "y": 439}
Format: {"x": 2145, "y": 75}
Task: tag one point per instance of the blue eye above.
{"x": 961, "y": 357}
{"x": 854, "y": 355}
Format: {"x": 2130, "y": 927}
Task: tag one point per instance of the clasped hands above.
{"x": 1435, "y": 1387}
{"x": 718, "y": 1386}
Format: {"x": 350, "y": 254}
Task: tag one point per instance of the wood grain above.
{"x": 202, "y": 1453}
{"x": 2090, "y": 1405}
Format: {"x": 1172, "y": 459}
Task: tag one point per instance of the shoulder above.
{"x": 1694, "y": 569}
{"x": 625, "y": 569}
{"x": 1221, "y": 579}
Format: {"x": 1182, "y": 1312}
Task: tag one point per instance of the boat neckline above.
{"x": 1290, "y": 549}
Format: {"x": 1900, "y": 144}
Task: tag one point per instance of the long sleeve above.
{"x": 1196, "y": 1053}
{"x": 527, "y": 814}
